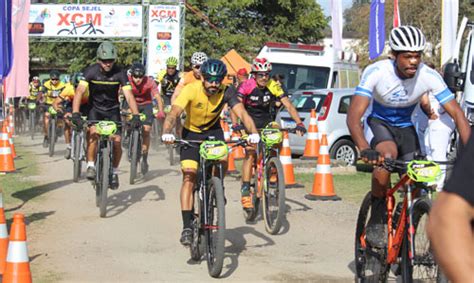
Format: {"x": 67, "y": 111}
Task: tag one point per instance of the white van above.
{"x": 312, "y": 66}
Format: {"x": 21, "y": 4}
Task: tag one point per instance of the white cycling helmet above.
{"x": 198, "y": 58}
{"x": 407, "y": 38}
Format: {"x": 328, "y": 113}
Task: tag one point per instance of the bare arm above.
{"x": 291, "y": 109}
{"x": 171, "y": 118}
{"x": 177, "y": 90}
{"x": 57, "y": 102}
{"x": 76, "y": 104}
{"x": 233, "y": 116}
{"x": 452, "y": 238}
{"x": 357, "y": 109}
{"x": 130, "y": 100}
{"x": 240, "y": 111}
{"x": 426, "y": 107}
{"x": 453, "y": 109}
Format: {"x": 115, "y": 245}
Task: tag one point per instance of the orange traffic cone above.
{"x": 11, "y": 120}
{"x": 311, "y": 149}
{"x": 6, "y": 157}
{"x": 237, "y": 152}
{"x": 18, "y": 265}
{"x": 323, "y": 184}
{"x": 10, "y": 139}
{"x": 3, "y": 237}
{"x": 285, "y": 158}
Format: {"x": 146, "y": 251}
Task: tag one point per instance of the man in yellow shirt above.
{"x": 203, "y": 102}
{"x": 52, "y": 87}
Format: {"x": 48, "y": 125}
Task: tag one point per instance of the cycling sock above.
{"x": 115, "y": 170}
{"x": 90, "y": 164}
{"x": 187, "y": 218}
{"x": 245, "y": 188}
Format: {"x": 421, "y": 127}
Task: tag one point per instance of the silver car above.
{"x": 332, "y": 106}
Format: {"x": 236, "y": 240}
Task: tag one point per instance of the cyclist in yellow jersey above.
{"x": 63, "y": 104}
{"x": 52, "y": 87}
{"x": 203, "y": 102}
{"x": 35, "y": 90}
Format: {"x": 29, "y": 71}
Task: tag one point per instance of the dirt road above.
{"x": 138, "y": 241}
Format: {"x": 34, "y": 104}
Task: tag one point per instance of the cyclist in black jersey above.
{"x": 104, "y": 80}
{"x": 168, "y": 79}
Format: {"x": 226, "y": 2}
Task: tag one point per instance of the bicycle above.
{"x": 32, "y": 118}
{"x": 89, "y": 29}
{"x": 268, "y": 188}
{"x": 52, "y": 134}
{"x": 407, "y": 243}
{"x": 209, "y": 211}
{"x": 135, "y": 148}
{"x": 78, "y": 151}
{"x": 104, "y": 157}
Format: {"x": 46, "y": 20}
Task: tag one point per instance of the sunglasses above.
{"x": 55, "y": 79}
{"x": 262, "y": 75}
{"x": 171, "y": 68}
{"x": 212, "y": 79}
{"x": 138, "y": 77}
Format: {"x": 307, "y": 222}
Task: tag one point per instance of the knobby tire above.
{"x": 77, "y": 157}
{"x": 134, "y": 156}
{"x": 273, "y": 196}
{"x": 105, "y": 179}
{"x": 52, "y": 136}
{"x": 215, "y": 235}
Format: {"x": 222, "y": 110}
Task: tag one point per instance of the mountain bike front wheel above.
{"x": 273, "y": 195}
{"x": 77, "y": 157}
{"x": 105, "y": 173}
{"x": 52, "y": 136}
{"x": 135, "y": 147}
{"x": 214, "y": 227}
{"x": 423, "y": 267}
{"x": 171, "y": 154}
{"x": 370, "y": 263}
{"x": 32, "y": 124}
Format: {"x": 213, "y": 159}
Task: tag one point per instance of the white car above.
{"x": 332, "y": 106}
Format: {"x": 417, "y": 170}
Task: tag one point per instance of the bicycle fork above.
{"x": 411, "y": 228}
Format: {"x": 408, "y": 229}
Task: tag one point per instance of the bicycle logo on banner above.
{"x": 88, "y": 28}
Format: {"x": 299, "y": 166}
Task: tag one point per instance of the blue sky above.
{"x": 325, "y": 5}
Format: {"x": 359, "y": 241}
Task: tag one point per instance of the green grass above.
{"x": 15, "y": 182}
{"x": 350, "y": 187}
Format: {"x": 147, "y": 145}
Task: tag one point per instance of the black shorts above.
{"x": 147, "y": 109}
{"x": 462, "y": 178}
{"x": 190, "y": 155}
{"x": 406, "y": 139}
{"x": 111, "y": 115}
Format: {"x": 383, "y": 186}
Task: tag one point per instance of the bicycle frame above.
{"x": 395, "y": 237}
{"x": 206, "y": 169}
{"x": 263, "y": 154}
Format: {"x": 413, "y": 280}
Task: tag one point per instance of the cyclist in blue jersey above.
{"x": 395, "y": 87}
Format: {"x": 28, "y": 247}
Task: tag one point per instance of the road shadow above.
{"x": 153, "y": 174}
{"x": 37, "y": 216}
{"x": 31, "y": 145}
{"x": 236, "y": 237}
{"x": 57, "y": 153}
{"x": 120, "y": 202}
{"x": 302, "y": 206}
{"x": 33, "y": 192}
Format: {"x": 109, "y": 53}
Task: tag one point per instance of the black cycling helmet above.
{"x": 137, "y": 70}
{"x": 54, "y": 74}
{"x": 214, "y": 68}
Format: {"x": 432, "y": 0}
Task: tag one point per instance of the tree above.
{"x": 246, "y": 25}
{"x": 425, "y": 14}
